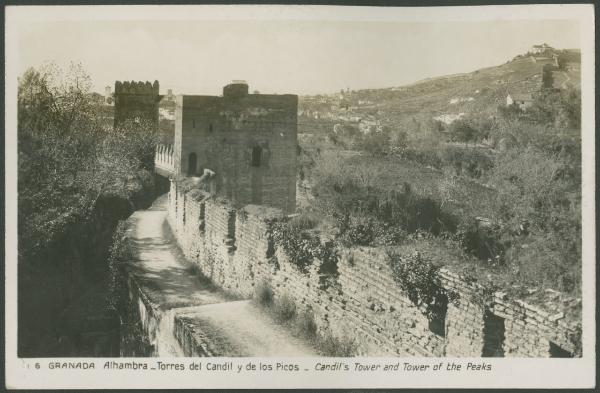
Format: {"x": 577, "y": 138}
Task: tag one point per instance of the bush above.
{"x": 120, "y": 252}
{"x": 417, "y": 277}
{"x": 305, "y": 325}
{"x": 303, "y": 247}
{"x": 462, "y": 131}
{"x": 376, "y": 142}
{"x": 470, "y": 162}
{"x": 336, "y": 347}
{"x": 368, "y": 231}
{"x": 263, "y": 294}
{"x": 539, "y": 206}
{"x": 304, "y": 221}
{"x": 284, "y": 308}
{"x": 427, "y": 157}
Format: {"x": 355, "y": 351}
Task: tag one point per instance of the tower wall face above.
{"x": 249, "y": 141}
{"x": 136, "y": 101}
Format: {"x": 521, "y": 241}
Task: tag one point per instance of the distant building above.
{"x": 536, "y": 49}
{"x": 522, "y": 100}
{"x": 108, "y": 98}
{"x": 369, "y": 126}
{"x": 170, "y": 96}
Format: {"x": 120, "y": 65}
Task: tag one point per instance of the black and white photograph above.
{"x": 301, "y": 196}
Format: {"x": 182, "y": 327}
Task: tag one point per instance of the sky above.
{"x": 281, "y": 56}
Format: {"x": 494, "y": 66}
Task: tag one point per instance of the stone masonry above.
{"x": 248, "y": 140}
{"x": 233, "y": 247}
{"x": 136, "y": 102}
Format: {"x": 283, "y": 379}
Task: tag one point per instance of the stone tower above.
{"x": 136, "y": 102}
{"x": 248, "y": 140}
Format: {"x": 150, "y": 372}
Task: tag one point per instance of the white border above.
{"x": 507, "y": 372}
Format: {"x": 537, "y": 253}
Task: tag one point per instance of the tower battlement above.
{"x": 136, "y": 102}
{"x": 139, "y": 87}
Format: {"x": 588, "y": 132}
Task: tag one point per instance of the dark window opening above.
{"x": 210, "y": 127}
{"x": 256, "y": 156}
{"x": 493, "y": 335}
{"x": 193, "y": 123}
{"x": 192, "y": 164}
{"x": 558, "y": 352}
{"x": 437, "y": 318}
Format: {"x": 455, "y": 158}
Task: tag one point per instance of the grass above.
{"x": 302, "y": 323}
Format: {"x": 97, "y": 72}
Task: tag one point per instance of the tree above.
{"x": 462, "y": 131}
{"x": 547, "y": 78}
{"x": 67, "y": 157}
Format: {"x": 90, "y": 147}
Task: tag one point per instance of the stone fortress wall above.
{"x": 234, "y": 248}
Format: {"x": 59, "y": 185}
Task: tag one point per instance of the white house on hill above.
{"x": 523, "y": 100}
{"x": 540, "y": 48}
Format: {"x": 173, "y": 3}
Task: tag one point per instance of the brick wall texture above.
{"x": 248, "y": 140}
{"x": 364, "y": 304}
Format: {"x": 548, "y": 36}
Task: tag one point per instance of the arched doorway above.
{"x": 192, "y": 164}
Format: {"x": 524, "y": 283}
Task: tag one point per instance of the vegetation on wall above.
{"x": 418, "y": 278}
{"x": 120, "y": 252}
{"x": 303, "y": 247}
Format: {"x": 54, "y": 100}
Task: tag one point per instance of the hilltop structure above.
{"x": 536, "y": 49}
{"x": 245, "y": 143}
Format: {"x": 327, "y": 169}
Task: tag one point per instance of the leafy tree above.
{"x": 67, "y": 157}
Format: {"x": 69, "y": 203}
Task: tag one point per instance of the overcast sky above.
{"x": 298, "y": 56}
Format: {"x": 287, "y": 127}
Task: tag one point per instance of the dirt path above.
{"x": 166, "y": 283}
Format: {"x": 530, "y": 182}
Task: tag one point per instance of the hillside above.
{"x": 446, "y": 97}
{"x": 504, "y": 198}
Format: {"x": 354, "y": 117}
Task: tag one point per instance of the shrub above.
{"x": 368, "y": 231}
{"x": 336, "y": 347}
{"x": 302, "y": 247}
{"x": 263, "y": 294}
{"x": 484, "y": 243}
{"x": 424, "y": 156}
{"x": 304, "y": 221}
{"x": 470, "y": 162}
{"x": 376, "y": 143}
{"x": 120, "y": 252}
{"x": 417, "y": 277}
{"x": 305, "y": 325}
{"x": 284, "y": 308}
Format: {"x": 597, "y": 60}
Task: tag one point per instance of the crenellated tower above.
{"x": 136, "y": 102}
